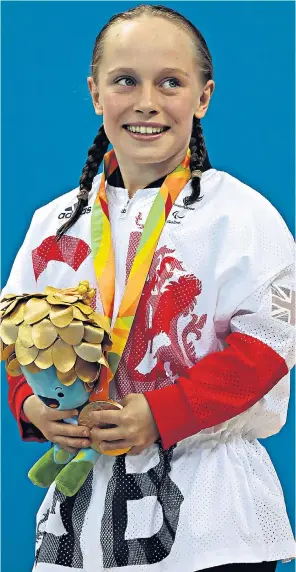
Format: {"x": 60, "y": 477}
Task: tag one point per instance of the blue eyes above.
{"x": 129, "y": 79}
{"x": 132, "y": 82}
{"x": 173, "y": 80}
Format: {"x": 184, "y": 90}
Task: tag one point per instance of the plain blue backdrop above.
{"x": 49, "y": 123}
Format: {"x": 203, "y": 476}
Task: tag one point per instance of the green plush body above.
{"x": 68, "y": 470}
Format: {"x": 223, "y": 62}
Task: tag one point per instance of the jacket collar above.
{"x": 115, "y": 179}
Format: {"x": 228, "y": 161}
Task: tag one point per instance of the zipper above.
{"x": 125, "y": 207}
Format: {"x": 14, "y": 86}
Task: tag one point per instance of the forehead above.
{"x": 151, "y": 40}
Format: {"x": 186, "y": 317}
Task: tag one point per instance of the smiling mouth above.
{"x": 146, "y": 131}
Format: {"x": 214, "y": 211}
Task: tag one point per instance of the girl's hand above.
{"x": 69, "y": 437}
{"x": 135, "y": 426}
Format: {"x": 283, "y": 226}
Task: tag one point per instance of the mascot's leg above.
{"x": 72, "y": 477}
{"x": 44, "y": 472}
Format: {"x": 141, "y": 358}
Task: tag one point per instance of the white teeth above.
{"x": 144, "y": 130}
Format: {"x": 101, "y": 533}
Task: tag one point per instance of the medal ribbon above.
{"x": 104, "y": 262}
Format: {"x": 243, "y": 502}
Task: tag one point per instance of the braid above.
{"x": 198, "y": 155}
{"x": 95, "y": 157}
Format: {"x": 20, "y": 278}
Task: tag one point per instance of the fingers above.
{"x": 110, "y": 439}
{"x": 113, "y": 434}
{"x": 121, "y": 444}
{"x": 114, "y": 445}
{"x": 69, "y": 436}
{"x": 111, "y": 416}
{"x": 70, "y": 430}
{"x": 71, "y": 443}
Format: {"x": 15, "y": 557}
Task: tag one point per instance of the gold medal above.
{"x": 84, "y": 419}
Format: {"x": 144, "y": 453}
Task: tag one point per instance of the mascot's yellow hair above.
{"x": 57, "y": 328}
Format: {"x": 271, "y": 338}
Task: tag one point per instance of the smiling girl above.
{"x": 194, "y": 270}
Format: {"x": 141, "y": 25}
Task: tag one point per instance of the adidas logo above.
{"x": 70, "y": 210}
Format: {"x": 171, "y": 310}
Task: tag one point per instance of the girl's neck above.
{"x": 138, "y": 176}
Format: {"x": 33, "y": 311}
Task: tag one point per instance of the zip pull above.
{"x": 125, "y": 207}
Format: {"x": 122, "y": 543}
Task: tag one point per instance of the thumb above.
{"x": 127, "y": 400}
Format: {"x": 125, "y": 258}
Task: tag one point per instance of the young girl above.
{"x": 204, "y": 265}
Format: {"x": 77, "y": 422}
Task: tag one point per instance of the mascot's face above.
{"x": 52, "y": 392}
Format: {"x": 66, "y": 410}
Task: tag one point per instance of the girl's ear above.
{"x": 205, "y": 99}
{"x": 95, "y": 96}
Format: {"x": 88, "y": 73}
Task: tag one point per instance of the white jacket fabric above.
{"x": 223, "y": 270}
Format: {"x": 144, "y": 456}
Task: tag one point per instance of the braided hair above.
{"x": 94, "y": 159}
{"x": 198, "y": 154}
{"x": 101, "y": 142}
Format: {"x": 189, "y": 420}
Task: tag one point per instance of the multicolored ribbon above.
{"x": 104, "y": 263}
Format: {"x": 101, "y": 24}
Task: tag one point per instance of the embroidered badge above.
{"x": 283, "y": 304}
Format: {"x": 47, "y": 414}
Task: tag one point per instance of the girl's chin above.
{"x": 147, "y": 155}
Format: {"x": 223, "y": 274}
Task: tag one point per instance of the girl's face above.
{"x": 149, "y": 74}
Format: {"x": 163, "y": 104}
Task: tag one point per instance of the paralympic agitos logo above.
{"x": 70, "y": 210}
{"x": 177, "y": 214}
{"x": 177, "y": 217}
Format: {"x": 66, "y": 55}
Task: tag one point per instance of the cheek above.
{"x": 113, "y": 114}
{"x": 182, "y": 110}
{"x": 114, "y": 107}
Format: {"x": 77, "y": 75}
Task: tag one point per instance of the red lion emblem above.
{"x": 168, "y": 295}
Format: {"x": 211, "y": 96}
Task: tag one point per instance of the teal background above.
{"x": 48, "y": 124}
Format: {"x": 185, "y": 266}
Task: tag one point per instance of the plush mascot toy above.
{"x": 58, "y": 342}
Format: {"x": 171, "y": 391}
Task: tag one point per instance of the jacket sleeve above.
{"x": 21, "y": 280}
{"x": 259, "y": 352}
{"x": 18, "y": 391}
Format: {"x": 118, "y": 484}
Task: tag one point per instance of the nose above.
{"x": 146, "y": 100}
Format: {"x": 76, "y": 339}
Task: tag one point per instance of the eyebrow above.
{"x": 165, "y": 70}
